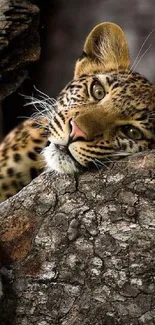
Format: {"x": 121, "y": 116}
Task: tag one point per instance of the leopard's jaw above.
{"x": 59, "y": 160}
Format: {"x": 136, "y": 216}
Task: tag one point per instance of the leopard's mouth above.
{"x": 65, "y": 151}
{"x": 59, "y": 158}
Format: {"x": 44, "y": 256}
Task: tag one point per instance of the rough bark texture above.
{"x": 82, "y": 251}
{"x": 19, "y": 46}
{"x": 19, "y": 42}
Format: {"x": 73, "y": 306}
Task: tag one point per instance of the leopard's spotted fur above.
{"x": 106, "y": 111}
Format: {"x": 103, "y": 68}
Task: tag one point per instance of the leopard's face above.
{"x": 106, "y": 112}
{"x": 98, "y": 118}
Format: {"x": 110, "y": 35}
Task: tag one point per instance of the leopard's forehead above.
{"x": 122, "y": 78}
{"x": 132, "y": 88}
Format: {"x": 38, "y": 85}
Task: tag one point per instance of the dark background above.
{"x": 64, "y": 26}
{"x": 67, "y": 24}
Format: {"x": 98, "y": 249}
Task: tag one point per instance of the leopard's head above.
{"x": 106, "y": 111}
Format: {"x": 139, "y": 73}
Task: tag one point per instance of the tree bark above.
{"x": 81, "y": 250}
{"x": 19, "y": 42}
{"x": 19, "y": 45}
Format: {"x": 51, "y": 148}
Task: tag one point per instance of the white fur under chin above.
{"x": 58, "y": 161}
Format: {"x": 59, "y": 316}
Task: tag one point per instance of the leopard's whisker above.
{"x": 134, "y": 65}
{"x": 23, "y": 117}
{"x": 101, "y": 163}
{"x": 96, "y": 165}
{"x": 140, "y": 59}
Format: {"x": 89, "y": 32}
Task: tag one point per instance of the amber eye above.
{"x": 132, "y": 132}
{"x": 97, "y": 91}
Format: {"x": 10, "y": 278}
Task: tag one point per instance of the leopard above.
{"x": 105, "y": 113}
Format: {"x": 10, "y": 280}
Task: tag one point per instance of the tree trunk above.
{"x": 19, "y": 42}
{"x": 79, "y": 251}
{"x": 19, "y": 45}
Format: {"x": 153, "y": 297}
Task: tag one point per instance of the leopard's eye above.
{"x": 97, "y": 91}
{"x": 132, "y": 132}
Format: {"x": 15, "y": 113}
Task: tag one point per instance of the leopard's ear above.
{"x": 105, "y": 50}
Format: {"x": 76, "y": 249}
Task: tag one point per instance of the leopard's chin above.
{"x": 58, "y": 158}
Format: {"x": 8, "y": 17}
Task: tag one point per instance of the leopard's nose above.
{"x": 76, "y": 133}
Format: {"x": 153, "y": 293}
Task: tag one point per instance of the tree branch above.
{"x": 82, "y": 250}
